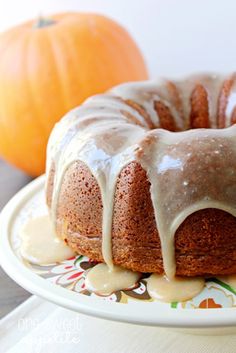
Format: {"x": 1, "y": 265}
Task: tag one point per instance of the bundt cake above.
{"x": 144, "y": 176}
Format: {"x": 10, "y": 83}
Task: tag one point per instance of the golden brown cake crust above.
{"x": 205, "y": 242}
{"x": 197, "y": 171}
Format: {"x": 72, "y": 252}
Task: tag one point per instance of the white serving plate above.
{"x": 62, "y": 283}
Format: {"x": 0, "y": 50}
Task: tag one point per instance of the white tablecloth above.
{"x": 38, "y": 326}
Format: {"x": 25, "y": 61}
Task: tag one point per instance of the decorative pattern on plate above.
{"x": 71, "y": 274}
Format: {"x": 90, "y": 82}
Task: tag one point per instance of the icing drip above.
{"x": 107, "y": 134}
{"x": 230, "y": 107}
{"x": 105, "y": 154}
{"x": 40, "y": 244}
{"x": 178, "y": 289}
{"x": 231, "y": 103}
{"x": 101, "y": 279}
{"x": 177, "y": 192}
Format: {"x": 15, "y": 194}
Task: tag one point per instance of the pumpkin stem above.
{"x": 43, "y": 22}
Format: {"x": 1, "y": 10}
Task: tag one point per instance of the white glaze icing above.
{"x": 178, "y": 289}
{"x": 101, "y": 135}
{"x": 104, "y": 280}
{"x": 40, "y": 244}
{"x": 230, "y": 107}
{"x": 231, "y": 103}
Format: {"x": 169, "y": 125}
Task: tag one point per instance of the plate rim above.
{"x": 11, "y": 264}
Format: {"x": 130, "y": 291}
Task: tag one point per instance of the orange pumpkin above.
{"x": 51, "y": 66}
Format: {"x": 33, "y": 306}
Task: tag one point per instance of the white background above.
{"x": 176, "y": 36}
